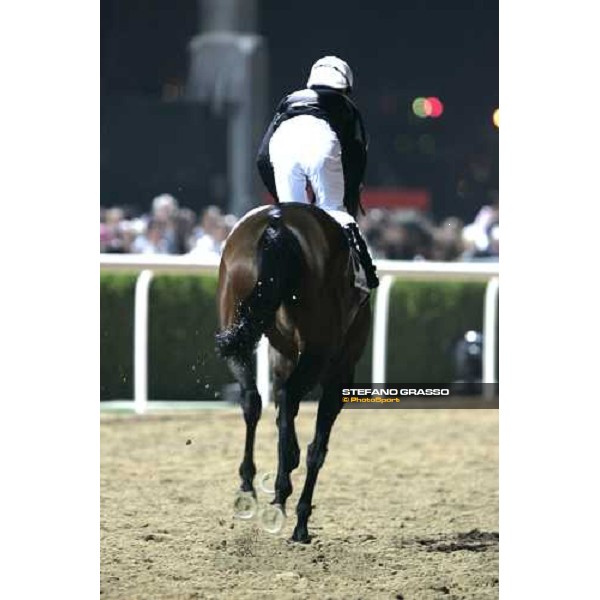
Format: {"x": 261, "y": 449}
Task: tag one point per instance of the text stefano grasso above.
{"x": 396, "y": 391}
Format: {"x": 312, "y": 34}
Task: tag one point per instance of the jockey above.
{"x": 317, "y": 142}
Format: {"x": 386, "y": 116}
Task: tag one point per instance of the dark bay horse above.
{"x": 286, "y": 272}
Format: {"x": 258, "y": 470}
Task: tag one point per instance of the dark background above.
{"x": 152, "y": 141}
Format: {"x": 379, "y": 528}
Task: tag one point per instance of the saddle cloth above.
{"x": 359, "y": 275}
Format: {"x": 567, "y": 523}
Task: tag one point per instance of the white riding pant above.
{"x": 306, "y": 149}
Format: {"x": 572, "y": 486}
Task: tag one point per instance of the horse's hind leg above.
{"x": 281, "y": 369}
{"x": 329, "y": 408}
{"x": 243, "y": 371}
{"x": 304, "y": 378}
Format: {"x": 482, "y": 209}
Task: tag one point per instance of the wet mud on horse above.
{"x": 285, "y": 272}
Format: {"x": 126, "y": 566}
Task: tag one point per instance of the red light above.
{"x": 433, "y": 107}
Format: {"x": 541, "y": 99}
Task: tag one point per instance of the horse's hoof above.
{"x": 301, "y": 536}
{"x": 267, "y": 483}
{"x": 272, "y": 518}
{"x": 244, "y": 505}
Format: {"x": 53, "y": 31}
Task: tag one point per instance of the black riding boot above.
{"x": 359, "y": 246}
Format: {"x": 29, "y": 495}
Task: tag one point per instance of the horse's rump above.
{"x": 279, "y": 266}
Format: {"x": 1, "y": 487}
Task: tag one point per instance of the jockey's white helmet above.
{"x": 332, "y": 72}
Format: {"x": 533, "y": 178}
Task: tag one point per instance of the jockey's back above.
{"x": 342, "y": 116}
{"x": 317, "y": 141}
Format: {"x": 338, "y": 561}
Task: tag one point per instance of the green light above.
{"x": 419, "y": 107}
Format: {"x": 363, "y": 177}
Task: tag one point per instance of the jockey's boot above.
{"x": 359, "y": 247}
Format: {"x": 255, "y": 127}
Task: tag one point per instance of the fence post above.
{"x": 263, "y": 382}
{"x": 490, "y": 317}
{"x": 382, "y": 302}
{"x": 140, "y": 342}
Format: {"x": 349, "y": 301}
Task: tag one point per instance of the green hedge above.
{"x": 426, "y": 318}
{"x": 116, "y": 336}
{"x": 425, "y": 321}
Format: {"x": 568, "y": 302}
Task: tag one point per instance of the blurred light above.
{"x": 427, "y": 107}
{"x": 434, "y": 107}
{"x": 418, "y": 107}
{"x": 496, "y": 118}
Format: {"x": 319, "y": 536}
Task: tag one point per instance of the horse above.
{"x": 286, "y": 272}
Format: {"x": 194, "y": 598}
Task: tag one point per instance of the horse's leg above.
{"x": 281, "y": 369}
{"x": 329, "y": 408}
{"x": 305, "y": 377}
{"x": 243, "y": 371}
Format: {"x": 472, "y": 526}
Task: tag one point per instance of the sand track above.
{"x": 406, "y": 507}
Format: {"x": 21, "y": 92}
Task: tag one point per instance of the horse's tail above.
{"x": 280, "y": 263}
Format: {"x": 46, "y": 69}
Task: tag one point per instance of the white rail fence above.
{"x": 388, "y": 270}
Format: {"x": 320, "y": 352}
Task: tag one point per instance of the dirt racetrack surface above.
{"x": 406, "y": 507}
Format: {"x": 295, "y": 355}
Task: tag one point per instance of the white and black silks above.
{"x": 344, "y": 118}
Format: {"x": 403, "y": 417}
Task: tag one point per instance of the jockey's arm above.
{"x": 355, "y": 163}
{"x": 263, "y": 160}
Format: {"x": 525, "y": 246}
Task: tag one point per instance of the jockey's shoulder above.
{"x": 318, "y": 97}
{"x": 300, "y": 96}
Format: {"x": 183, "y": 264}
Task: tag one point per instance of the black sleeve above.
{"x": 354, "y": 160}
{"x": 263, "y": 160}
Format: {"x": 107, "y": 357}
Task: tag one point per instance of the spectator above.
{"x": 130, "y": 230}
{"x": 104, "y": 232}
{"x": 111, "y": 239}
{"x": 185, "y": 221}
{"x": 447, "y": 240}
{"x": 477, "y": 235}
{"x": 152, "y": 241}
{"x": 209, "y": 220}
{"x": 208, "y": 240}
{"x": 409, "y": 236}
{"x": 164, "y": 207}
{"x": 164, "y": 211}
{"x": 494, "y": 235}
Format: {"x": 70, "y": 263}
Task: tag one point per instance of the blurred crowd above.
{"x": 411, "y": 235}
{"x": 392, "y": 234}
{"x": 166, "y": 229}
